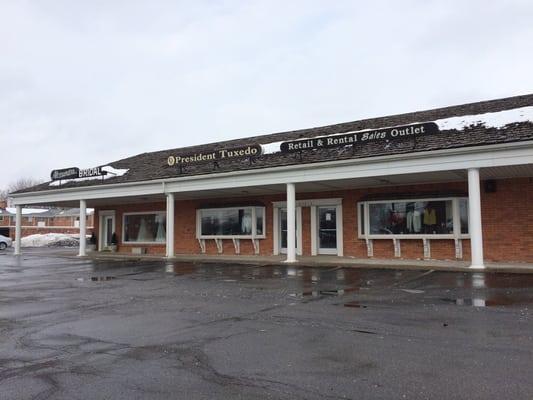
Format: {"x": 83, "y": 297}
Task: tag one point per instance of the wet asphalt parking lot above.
{"x": 81, "y": 329}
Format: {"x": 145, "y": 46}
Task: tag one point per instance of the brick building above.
{"x": 40, "y": 221}
{"x": 448, "y": 183}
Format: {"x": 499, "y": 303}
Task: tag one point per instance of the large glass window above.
{"x": 232, "y": 221}
{"x": 146, "y": 228}
{"x": 420, "y": 217}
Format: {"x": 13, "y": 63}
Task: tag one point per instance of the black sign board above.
{"x": 75, "y": 173}
{"x": 387, "y": 134}
{"x": 90, "y": 172}
{"x": 213, "y": 156}
{"x": 67, "y": 173}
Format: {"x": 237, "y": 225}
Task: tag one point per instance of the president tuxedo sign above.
{"x": 352, "y": 138}
{"x": 217, "y": 155}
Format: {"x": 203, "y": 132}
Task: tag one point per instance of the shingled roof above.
{"x": 153, "y": 165}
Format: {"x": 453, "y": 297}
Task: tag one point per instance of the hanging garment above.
{"x": 417, "y": 221}
{"x": 430, "y": 217}
{"x": 246, "y": 224}
{"x": 143, "y": 235}
{"x": 409, "y": 221}
{"x": 161, "y": 231}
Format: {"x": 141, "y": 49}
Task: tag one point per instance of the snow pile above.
{"x": 50, "y": 240}
{"x": 111, "y": 173}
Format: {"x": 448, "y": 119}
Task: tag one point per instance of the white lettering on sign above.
{"x": 222, "y": 154}
{"x": 88, "y": 172}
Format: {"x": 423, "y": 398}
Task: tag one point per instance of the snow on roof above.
{"x": 26, "y": 211}
{"x": 497, "y": 119}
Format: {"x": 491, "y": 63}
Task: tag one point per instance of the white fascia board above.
{"x": 89, "y": 193}
{"x": 516, "y": 153}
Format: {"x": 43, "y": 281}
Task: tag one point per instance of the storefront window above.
{"x": 419, "y": 217}
{"x": 145, "y": 228}
{"x": 231, "y": 221}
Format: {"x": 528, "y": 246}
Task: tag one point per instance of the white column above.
{"x": 314, "y": 231}
{"x": 170, "y": 224}
{"x": 83, "y": 228}
{"x": 18, "y": 229}
{"x": 474, "y": 223}
{"x": 291, "y": 223}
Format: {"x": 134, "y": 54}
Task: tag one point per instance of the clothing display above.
{"x": 161, "y": 232}
{"x": 430, "y": 216}
{"x": 246, "y": 224}
{"x": 143, "y": 235}
{"x": 414, "y": 221}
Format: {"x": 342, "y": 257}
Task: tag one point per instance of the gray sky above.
{"x": 88, "y": 82}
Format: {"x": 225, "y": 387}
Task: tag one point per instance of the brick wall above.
{"x": 507, "y": 218}
{"x": 52, "y": 225}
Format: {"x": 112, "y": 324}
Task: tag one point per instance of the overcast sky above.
{"x": 83, "y": 83}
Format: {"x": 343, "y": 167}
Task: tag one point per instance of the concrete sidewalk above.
{"x": 331, "y": 261}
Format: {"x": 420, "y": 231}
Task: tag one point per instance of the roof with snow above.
{"x": 475, "y": 124}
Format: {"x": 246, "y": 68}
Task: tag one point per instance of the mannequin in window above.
{"x": 143, "y": 235}
{"x": 246, "y": 224}
{"x": 409, "y": 208}
{"x": 395, "y": 221}
{"x": 430, "y": 219}
{"x": 161, "y": 232}
{"x": 417, "y": 216}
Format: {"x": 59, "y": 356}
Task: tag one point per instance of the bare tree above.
{"x": 19, "y": 184}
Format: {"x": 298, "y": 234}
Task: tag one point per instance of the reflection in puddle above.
{"x": 490, "y": 302}
{"x": 320, "y": 293}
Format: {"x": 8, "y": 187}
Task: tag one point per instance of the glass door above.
{"x": 108, "y": 222}
{"x": 327, "y": 230}
{"x": 283, "y": 231}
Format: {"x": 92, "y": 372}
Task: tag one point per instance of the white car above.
{"x": 5, "y": 242}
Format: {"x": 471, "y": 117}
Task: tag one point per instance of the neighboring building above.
{"x": 449, "y": 183}
{"x": 52, "y": 220}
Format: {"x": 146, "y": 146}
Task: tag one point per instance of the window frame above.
{"x": 253, "y": 235}
{"x": 124, "y": 215}
{"x": 456, "y": 234}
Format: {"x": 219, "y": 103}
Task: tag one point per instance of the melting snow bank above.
{"x": 50, "y": 240}
{"x": 111, "y": 173}
{"x": 497, "y": 119}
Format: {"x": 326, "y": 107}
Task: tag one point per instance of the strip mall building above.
{"x": 453, "y": 183}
